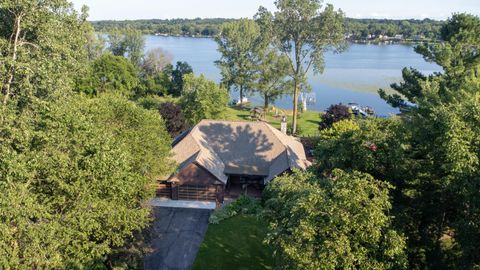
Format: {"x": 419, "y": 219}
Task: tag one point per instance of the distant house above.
{"x": 223, "y": 158}
{"x": 398, "y": 37}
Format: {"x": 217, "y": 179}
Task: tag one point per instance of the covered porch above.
{"x": 248, "y": 185}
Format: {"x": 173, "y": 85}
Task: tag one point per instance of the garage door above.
{"x": 164, "y": 190}
{"x": 197, "y": 193}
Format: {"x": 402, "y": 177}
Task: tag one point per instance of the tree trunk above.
{"x": 265, "y": 106}
{"x": 11, "y": 72}
{"x": 295, "y": 107}
{"x": 241, "y": 95}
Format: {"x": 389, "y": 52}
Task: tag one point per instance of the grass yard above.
{"x": 235, "y": 243}
{"x": 307, "y": 122}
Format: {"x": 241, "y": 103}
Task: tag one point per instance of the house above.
{"x": 216, "y": 158}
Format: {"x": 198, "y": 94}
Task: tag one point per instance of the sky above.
{"x": 167, "y": 9}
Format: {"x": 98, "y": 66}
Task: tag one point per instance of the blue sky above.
{"x": 166, "y": 9}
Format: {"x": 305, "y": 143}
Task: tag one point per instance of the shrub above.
{"x": 173, "y": 116}
{"x": 333, "y": 114}
{"x": 242, "y": 205}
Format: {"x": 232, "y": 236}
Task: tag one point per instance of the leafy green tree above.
{"x": 237, "y": 43}
{"x": 95, "y": 44}
{"x": 42, "y": 48}
{"x": 272, "y": 70}
{"x": 70, "y": 196}
{"x": 302, "y": 31}
{"x": 177, "y": 78}
{"x": 127, "y": 42}
{"x": 335, "y": 222}
{"x": 116, "y": 42}
{"x": 202, "y": 99}
{"x": 110, "y": 73}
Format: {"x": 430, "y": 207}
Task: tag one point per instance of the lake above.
{"x": 352, "y": 76}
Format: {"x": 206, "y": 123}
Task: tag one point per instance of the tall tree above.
{"x": 272, "y": 70}
{"x": 127, "y": 42}
{"x": 155, "y": 61}
{"x": 202, "y": 99}
{"x": 237, "y": 43}
{"x": 302, "y": 31}
{"x": 177, "y": 78}
{"x": 42, "y": 48}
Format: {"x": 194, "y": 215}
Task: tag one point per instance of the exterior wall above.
{"x": 194, "y": 175}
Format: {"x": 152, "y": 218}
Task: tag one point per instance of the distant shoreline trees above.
{"x": 355, "y": 29}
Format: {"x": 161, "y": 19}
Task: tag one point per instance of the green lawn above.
{"x": 235, "y": 243}
{"x": 307, "y": 122}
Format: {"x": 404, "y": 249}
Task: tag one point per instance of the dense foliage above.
{"x": 335, "y": 222}
{"x": 75, "y": 169}
{"x": 176, "y": 76}
{"x": 77, "y": 194}
{"x": 243, "y": 205}
{"x": 202, "y": 99}
{"x": 110, "y": 73}
{"x": 174, "y": 119}
{"x": 430, "y": 155}
{"x": 334, "y": 113}
{"x": 41, "y": 48}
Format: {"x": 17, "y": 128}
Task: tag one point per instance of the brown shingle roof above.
{"x": 248, "y": 148}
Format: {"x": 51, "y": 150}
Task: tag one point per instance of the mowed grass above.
{"x": 236, "y": 243}
{"x": 307, "y": 122}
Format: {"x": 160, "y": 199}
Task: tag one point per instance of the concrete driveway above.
{"x": 178, "y": 233}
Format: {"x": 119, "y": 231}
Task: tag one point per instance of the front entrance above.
{"x": 244, "y": 185}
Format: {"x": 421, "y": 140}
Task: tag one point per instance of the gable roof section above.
{"x": 240, "y": 148}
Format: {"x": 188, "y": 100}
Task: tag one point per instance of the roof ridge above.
{"x": 270, "y": 128}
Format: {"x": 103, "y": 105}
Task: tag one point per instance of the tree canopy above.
{"x": 202, "y": 99}
{"x": 110, "y": 73}
{"x": 70, "y": 195}
{"x": 430, "y": 155}
{"x": 238, "y": 42}
{"x": 335, "y": 222}
{"x": 42, "y": 48}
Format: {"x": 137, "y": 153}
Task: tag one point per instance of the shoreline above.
{"x": 355, "y": 41}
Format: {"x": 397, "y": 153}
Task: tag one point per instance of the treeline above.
{"x": 171, "y": 27}
{"x": 356, "y": 29}
{"x": 361, "y": 29}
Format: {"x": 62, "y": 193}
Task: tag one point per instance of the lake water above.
{"x": 352, "y": 76}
